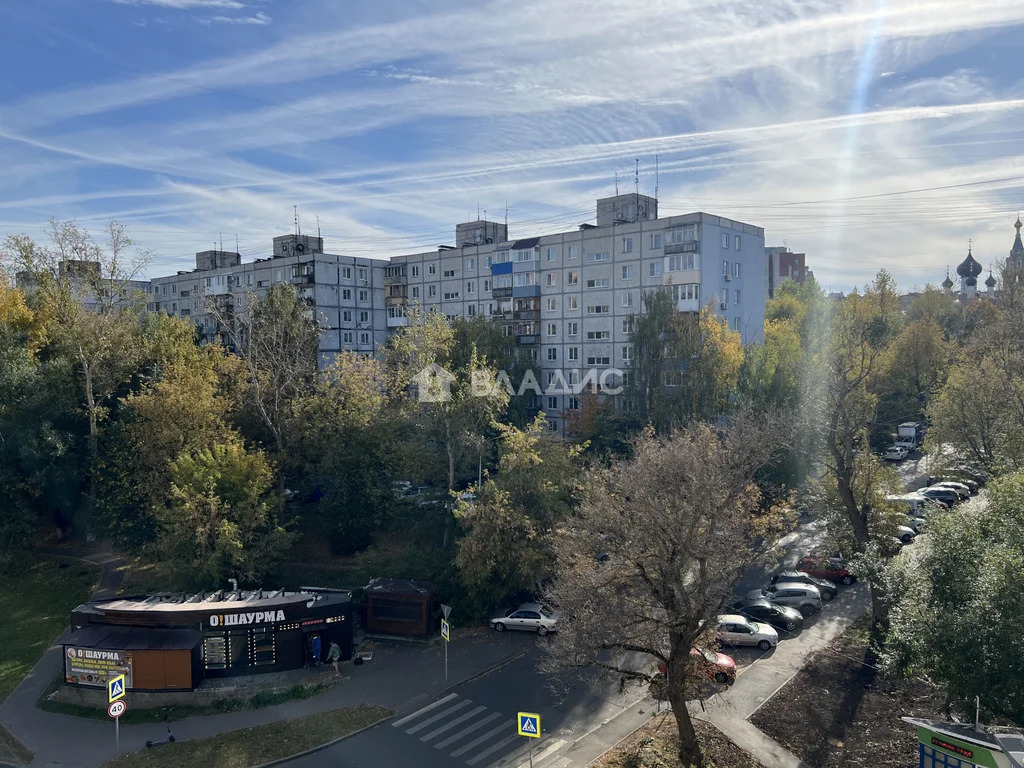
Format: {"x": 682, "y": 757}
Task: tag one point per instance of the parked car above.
{"x": 916, "y": 524}
{"x": 828, "y": 590}
{"x": 961, "y": 490}
{"x": 954, "y": 480}
{"x": 905, "y": 534}
{"x": 764, "y": 610}
{"x": 732, "y": 629}
{"x": 896, "y": 453}
{"x": 831, "y": 568}
{"x": 715, "y": 666}
{"x": 532, "y": 617}
{"x": 804, "y": 597}
{"x": 947, "y": 496}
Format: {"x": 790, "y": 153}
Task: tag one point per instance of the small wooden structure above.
{"x": 399, "y": 607}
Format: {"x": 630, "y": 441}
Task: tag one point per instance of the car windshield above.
{"x": 546, "y": 612}
{"x": 709, "y": 655}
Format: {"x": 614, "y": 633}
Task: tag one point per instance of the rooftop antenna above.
{"x": 636, "y": 178}
{"x": 506, "y": 216}
{"x": 236, "y": 243}
{"x": 478, "y": 211}
{"x": 221, "y": 235}
{"x": 616, "y": 183}
{"x": 655, "y": 177}
{"x": 318, "y": 226}
{"x": 295, "y": 218}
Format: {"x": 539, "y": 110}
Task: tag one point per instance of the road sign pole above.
{"x": 531, "y": 752}
{"x": 117, "y": 736}
{"x": 446, "y": 661}
{"x": 446, "y": 632}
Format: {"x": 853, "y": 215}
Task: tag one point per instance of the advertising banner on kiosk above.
{"x": 94, "y": 666}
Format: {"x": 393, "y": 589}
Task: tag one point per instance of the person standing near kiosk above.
{"x": 316, "y": 650}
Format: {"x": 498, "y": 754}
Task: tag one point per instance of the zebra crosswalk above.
{"x": 475, "y": 735}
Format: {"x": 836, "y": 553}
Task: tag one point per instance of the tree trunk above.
{"x": 449, "y": 517}
{"x": 690, "y": 754}
{"x": 879, "y": 608}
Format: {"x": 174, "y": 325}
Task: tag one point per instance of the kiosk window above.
{"x": 262, "y": 647}
{"x": 397, "y": 610}
{"x": 237, "y": 651}
{"x": 215, "y": 652}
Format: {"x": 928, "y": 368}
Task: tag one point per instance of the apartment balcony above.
{"x": 693, "y": 246}
{"x": 398, "y": 322}
{"x": 502, "y": 293}
{"x": 301, "y": 279}
{"x": 526, "y": 314}
{"x": 526, "y": 339}
{"x": 390, "y": 280}
{"x": 396, "y": 301}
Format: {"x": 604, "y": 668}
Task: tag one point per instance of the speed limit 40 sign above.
{"x": 117, "y": 708}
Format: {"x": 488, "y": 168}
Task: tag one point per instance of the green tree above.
{"x": 223, "y": 517}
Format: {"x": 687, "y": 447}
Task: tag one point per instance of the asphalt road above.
{"x": 475, "y": 725}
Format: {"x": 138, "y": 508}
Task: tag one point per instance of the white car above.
{"x": 732, "y": 629}
{"x": 905, "y": 534}
{"x": 532, "y": 617}
{"x": 896, "y": 453}
{"x": 961, "y": 490}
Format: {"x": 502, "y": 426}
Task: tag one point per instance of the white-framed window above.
{"x": 552, "y": 329}
{"x": 736, "y": 242}
{"x": 552, "y": 403}
{"x": 572, "y": 403}
{"x": 627, "y": 353}
{"x": 597, "y": 360}
{"x": 725, "y": 295}
{"x": 346, "y": 315}
{"x": 686, "y": 292}
{"x": 627, "y": 245}
{"x": 431, "y": 269}
{"x": 415, "y": 291}
{"x": 524, "y": 278}
{"x": 655, "y": 269}
{"x": 598, "y": 309}
{"x": 277, "y": 275}
{"x": 346, "y": 273}
{"x": 415, "y": 270}
{"x": 574, "y": 378}
{"x": 552, "y": 304}
{"x": 487, "y": 262}
{"x": 431, "y": 291}
{"x": 725, "y": 268}
{"x": 627, "y": 271}
{"x": 598, "y": 256}
{"x": 346, "y": 294}
{"x": 364, "y": 295}
{"x": 553, "y": 425}
{"x": 552, "y": 253}
{"x": 627, "y": 325}
{"x": 470, "y": 287}
{"x": 572, "y": 328}
{"x": 364, "y": 338}
{"x": 470, "y": 264}
{"x": 736, "y": 269}
{"x": 725, "y": 239}
{"x": 487, "y": 286}
{"x": 550, "y": 279}
{"x": 551, "y": 377}
{"x": 362, "y": 273}
{"x": 683, "y": 234}
{"x": 472, "y": 310}
{"x": 364, "y": 317}
{"x": 599, "y": 282}
{"x": 680, "y": 261}
{"x": 574, "y": 353}
{"x": 672, "y": 378}
{"x": 598, "y": 335}
{"x": 573, "y": 251}
{"x": 627, "y": 299}
{"x": 552, "y": 354}
{"x": 656, "y": 240}
{"x": 526, "y": 254}
{"x": 346, "y": 337}
{"x": 736, "y": 323}
{"x": 573, "y": 278}
{"x": 451, "y": 296}
{"x": 736, "y": 296}
{"x": 573, "y": 302}
{"x": 450, "y": 273}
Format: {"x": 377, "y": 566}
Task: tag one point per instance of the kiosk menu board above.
{"x": 93, "y": 666}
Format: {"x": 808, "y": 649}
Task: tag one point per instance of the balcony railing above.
{"x": 301, "y": 279}
{"x": 502, "y": 293}
{"x": 526, "y": 340}
{"x": 689, "y": 247}
{"x": 396, "y": 301}
{"x": 526, "y": 314}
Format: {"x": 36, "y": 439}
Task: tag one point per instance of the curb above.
{"x": 603, "y": 723}
{"x": 311, "y": 750}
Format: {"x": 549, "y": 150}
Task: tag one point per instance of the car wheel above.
{"x": 806, "y": 610}
{"x": 499, "y": 627}
{"x": 764, "y": 645}
{"x": 848, "y": 579}
{"x": 826, "y": 596}
{"x": 906, "y": 538}
{"x": 542, "y": 631}
{"x": 790, "y": 626}
{"x": 721, "y": 677}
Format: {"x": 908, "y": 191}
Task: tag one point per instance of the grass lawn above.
{"x": 656, "y": 745}
{"x": 36, "y": 603}
{"x": 260, "y": 744}
{"x": 11, "y": 750}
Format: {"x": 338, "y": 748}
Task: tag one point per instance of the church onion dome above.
{"x": 969, "y": 267}
{"x": 970, "y": 282}
{"x": 947, "y": 283}
{"x": 990, "y": 281}
{"x": 1018, "y": 246}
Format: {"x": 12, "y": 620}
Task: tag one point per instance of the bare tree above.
{"x": 675, "y": 526}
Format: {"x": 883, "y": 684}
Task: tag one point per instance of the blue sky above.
{"x": 866, "y": 134}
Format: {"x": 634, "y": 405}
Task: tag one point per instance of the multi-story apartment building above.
{"x": 568, "y": 298}
{"x": 88, "y": 285}
{"x": 345, "y": 293}
{"x": 785, "y": 265}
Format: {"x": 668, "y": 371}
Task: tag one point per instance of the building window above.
{"x": 627, "y": 353}
{"x": 448, "y": 273}
{"x": 346, "y": 337}
{"x": 470, "y": 265}
{"x": 487, "y": 262}
{"x": 431, "y": 291}
{"x": 551, "y": 377}
{"x": 574, "y": 353}
{"x": 415, "y": 291}
{"x": 600, "y": 256}
{"x": 470, "y": 288}
{"x": 725, "y": 268}
{"x": 347, "y": 315}
{"x": 672, "y": 378}
{"x": 550, "y": 279}
{"x": 627, "y": 325}
{"x": 552, "y": 329}
{"x": 526, "y": 254}
{"x": 362, "y": 273}
{"x": 552, "y": 254}
{"x": 364, "y": 338}
{"x": 573, "y": 278}
{"x": 415, "y": 270}
{"x": 598, "y": 361}
{"x": 736, "y": 242}
{"x": 472, "y": 309}
{"x": 684, "y": 234}
{"x": 735, "y": 323}
{"x": 552, "y": 305}
{"x": 600, "y": 282}
{"x": 736, "y": 296}
{"x": 627, "y": 245}
{"x": 680, "y": 261}
{"x": 431, "y": 269}
{"x": 572, "y": 328}
{"x": 574, "y": 302}
{"x": 598, "y": 309}
{"x": 572, "y": 404}
{"x": 487, "y": 286}
{"x": 363, "y": 295}
{"x": 725, "y": 239}
{"x": 524, "y": 278}
{"x": 656, "y": 240}
{"x": 346, "y": 273}
{"x": 364, "y": 317}
{"x": 627, "y": 272}
{"x": 686, "y": 292}
{"x": 598, "y": 335}
{"x": 552, "y": 403}
{"x": 736, "y": 269}
{"x": 627, "y": 299}
{"x": 451, "y": 296}
{"x": 725, "y": 295}
{"x": 574, "y": 378}
{"x": 655, "y": 269}
{"x": 346, "y": 294}
{"x": 573, "y": 251}
{"x": 552, "y": 354}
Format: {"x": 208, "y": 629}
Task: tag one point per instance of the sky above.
{"x": 866, "y": 133}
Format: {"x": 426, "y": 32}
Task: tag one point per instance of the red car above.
{"x": 715, "y": 666}
{"x": 830, "y": 568}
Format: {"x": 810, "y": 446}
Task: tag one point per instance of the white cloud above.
{"x": 186, "y": 4}
{"x": 260, "y": 19}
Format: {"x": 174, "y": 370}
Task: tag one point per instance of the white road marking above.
{"x": 493, "y": 748}
{"x": 467, "y": 730}
{"x": 481, "y": 739}
{"x": 553, "y": 747}
{"x": 443, "y": 713}
{"x": 453, "y": 723}
{"x": 425, "y": 709}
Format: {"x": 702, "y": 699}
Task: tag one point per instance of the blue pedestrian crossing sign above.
{"x": 115, "y": 688}
{"x": 529, "y": 724}
{"x": 446, "y": 630}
